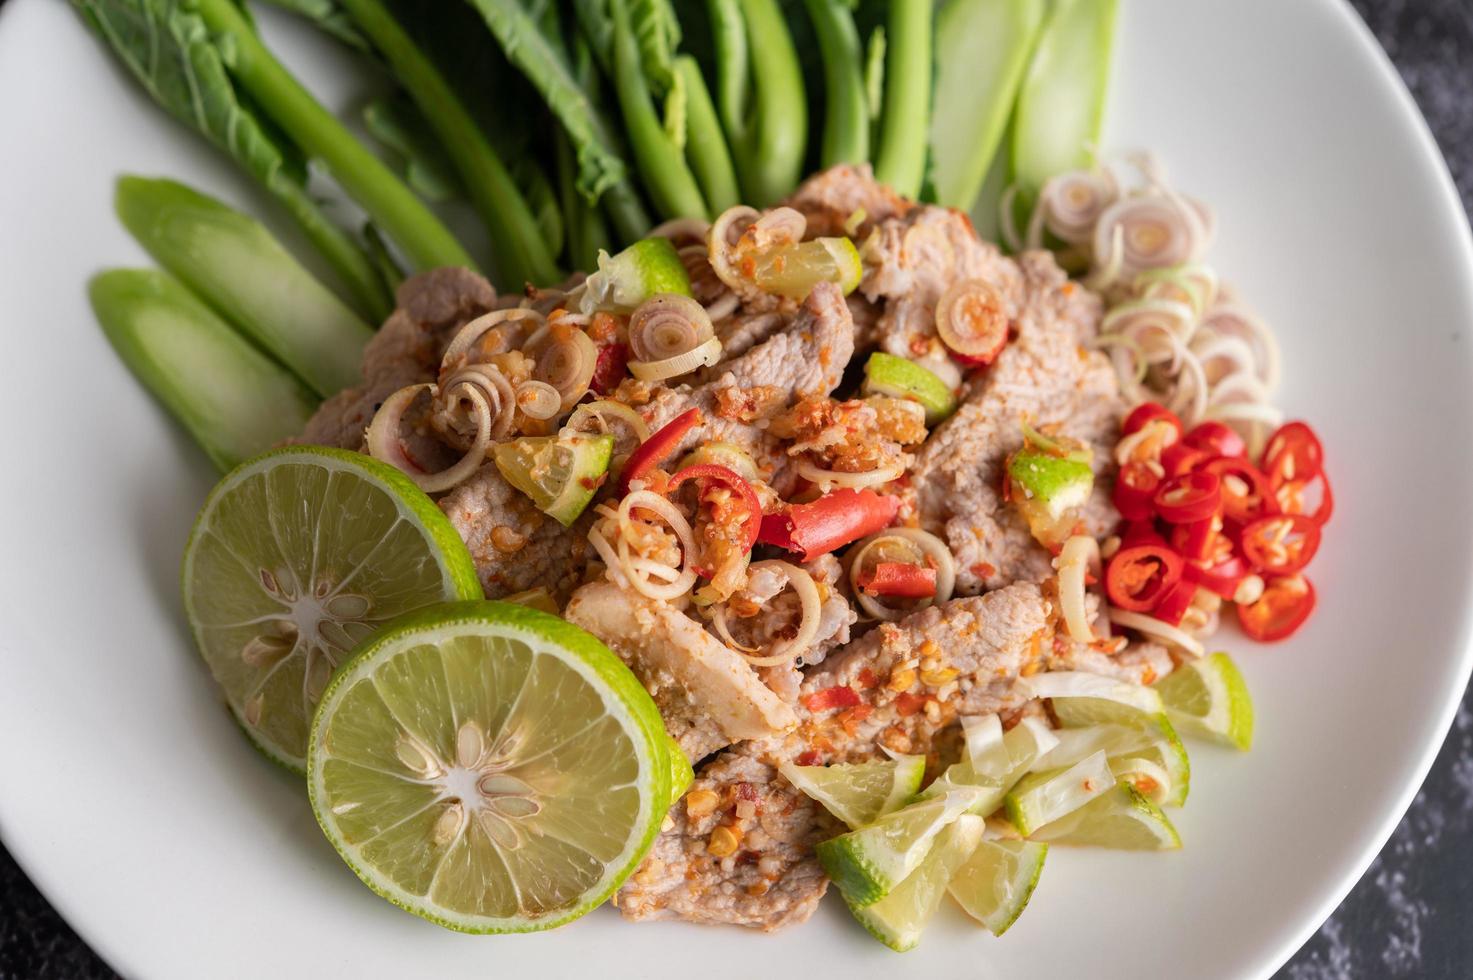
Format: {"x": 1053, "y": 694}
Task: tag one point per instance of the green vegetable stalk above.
{"x": 602, "y": 173}
{"x": 234, "y": 264}
{"x": 705, "y": 143}
{"x": 982, "y": 51}
{"x": 1061, "y": 106}
{"x": 847, "y": 118}
{"x": 403, "y": 217}
{"x": 900, "y": 157}
{"x": 168, "y": 49}
{"x": 668, "y": 180}
{"x": 519, "y": 249}
{"x": 233, "y": 399}
{"x": 759, "y": 91}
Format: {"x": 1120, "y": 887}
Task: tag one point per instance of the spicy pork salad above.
{"x": 716, "y": 552}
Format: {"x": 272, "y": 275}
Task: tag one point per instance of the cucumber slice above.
{"x": 560, "y": 473}
{"x": 886, "y": 374}
{"x": 233, "y": 399}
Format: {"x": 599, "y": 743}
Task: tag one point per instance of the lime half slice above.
{"x": 1043, "y": 797}
{"x": 560, "y": 473}
{"x": 866, "y": 864}
{"x": 1149, "y": 755}
{"x": 1121, "y": 819}
{"x": 489, "y": 767}
{"x": 859, "y": 793}
{"x": 1209, "y": 699}
{"x": 886, "y": 374}
{"x": 297, "y": 556}
{"x": 994, "y": 764}
{"x": 898, "y": 919}
{"x": 793, "y": 270}
{"x": 996, "y": 882}
{"x": 647, "y": 268}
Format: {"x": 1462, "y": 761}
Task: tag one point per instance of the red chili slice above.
{"x": 1280, "y": 544}
{"x": 610, "y": 368}
{"x": 1190, "y": 497}
{"x": 1199, "y": 540}
{"x": 1246, "y": 493}
{"x": 1286, "y": 603}
{"x": 1135, "y": 484}
{"x": 1294, "y": 497}
{"x": 657, "y": 448}
{"x": 830, "y": 698}
{"x": 830, "y": 522}
{"x": 1140, "y": 532}
{"x": 1147, "y": 412}
{"x": 900, "y": 580}
{"x": 1217, "y": 438}
{"x": 1222, "y": 578}
{"x": 710, "y": 471}
{"x": 1138, "y": 577}
{"x": 1293, "y": 454}
{"x": 1174, "y": 604}
{"x": 1178, "y": 459}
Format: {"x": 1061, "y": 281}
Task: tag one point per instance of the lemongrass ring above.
{"x": 1108, "y": 271}
{"x": 931, "y": 547}
{"x": 718, "y": 620}
{"x": 1080, "y": 556}
{"x": 666, "y": 326}
{"x": 1007, "y": 218}
{"x": 704, "y": 355}
{"x": 826, "y": 480}
{"x": 1168, "y": 315}
{"x": 779, "y": 226}
{"x": 565, "y": 358}
{"x": 494, "y": 387}
{"x": 1154, "y": 232}
{"x": 682, "y": 231}
{"x": 719, "y": 243}
{"x": 538, "y": 400}
{"x": 603, "y": 409}
{"x": 811, "y": 605}
{"x": 724, "y": 307}
{"x": 383, "y": 440}
{"x": 972, "y": 319}
{"x": 1071, "y": 203}
{"x": 1153, "y": 627}
{"x": 483, "y": 324}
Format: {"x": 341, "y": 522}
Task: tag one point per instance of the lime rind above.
{"x": 897, "y": 377}
{"x": 1043, "y": 797}
{"x": 648, "y": 267}
{"x": 1209, "y": 699}
{"x": 378, "y": 482}
{"x": 1156, "y": 743}
{"x": 560, "y": 473}
{"x": 866, "y": 864}
{"x": 994, "y": 885}
{"x": 898, "y": 919}
{"x": 623, "y": 698}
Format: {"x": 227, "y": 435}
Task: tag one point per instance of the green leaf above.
{"x": 329, "y": 16}
{"x": 399, "y": 126}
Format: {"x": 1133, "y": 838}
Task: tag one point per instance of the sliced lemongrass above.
{"x": 538, "y": 400}
{"x": 666, "y": 326}
{"x": 811, "y": 604}
{"x": 971, "y": 318}
{"x": 384, "y": 443}
{"x": 638, "y": 576}
{"x": 704, "y": 355}
{"x": 827, "y": 480}
{"x": 483, "y": 324}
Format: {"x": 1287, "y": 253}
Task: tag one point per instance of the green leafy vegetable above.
{"x": 846, "y": 123}
{"x": 402, "y": 216}
{"x": 233, "y": 399}
{"x": 900, "y": 156}
{"x": 705, "y": 144}
{"x": 1061, "y": 107}
{"x": 328, "y": 15}
{"x": 982, "y": 51}
{"x": 522, "y": 254}
{"x": 399, "y": 126}
{"x": 171, "y": 53}
{"x": 234, "y": 264}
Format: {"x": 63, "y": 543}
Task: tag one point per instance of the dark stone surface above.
{"x": 1407, "y": 916}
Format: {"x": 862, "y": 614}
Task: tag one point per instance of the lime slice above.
{"x": 995, "y": 761}
{"x": 1081, "y": 699}
{"x": 295, "y": 558}
{"x": 489, "y": 767}
{"x": 995, "y": 883}
{"x": 1043, "y": 797}
{"x": 1121, "y": 819}
{"x": 866, "y": 864}
{"x": 560, "y": 473}
{"x": 861, "y": 792}
{"x": 1146, "y": 754}
{"x": 681, "y": 773}
{"x": 1209, "y": 699}
{"x": 647, "y": 268}
{"x": 793, "y": 270}
{"x": 886, "y": 374}
{"x": 898, "y": 919}
{"x": 1056, "y": 484}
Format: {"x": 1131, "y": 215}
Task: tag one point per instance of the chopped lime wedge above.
{"x": 995, "y": 883}
{"x": 1121, "y": 819}
{"x": 866, "y": 864}
{"x": 1209, "y": 699}
{"x": 898, "y": 919}
{"x": 1054, "y": 483}
{"x": 489, "y": 767}
{"x": 1043, "y": 797}
{"x": 298, "y": 556}
{"x": 647, "y": 268}
{"x": 560, "y": 473}
{"x": 995, "y": 761}
{"x": 681, "y": 773}
{"x": 793, "y": 270}
{"x": 1081, "y": 699}
{"x": 861, "y": 792}
{"x": 886, "y": 374}
{"x": 1127, "y": 746}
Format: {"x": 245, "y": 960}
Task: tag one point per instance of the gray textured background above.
{"x": 1407, "y": 917}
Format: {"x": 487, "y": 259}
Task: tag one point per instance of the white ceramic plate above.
{"x": 177, "y": 852}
